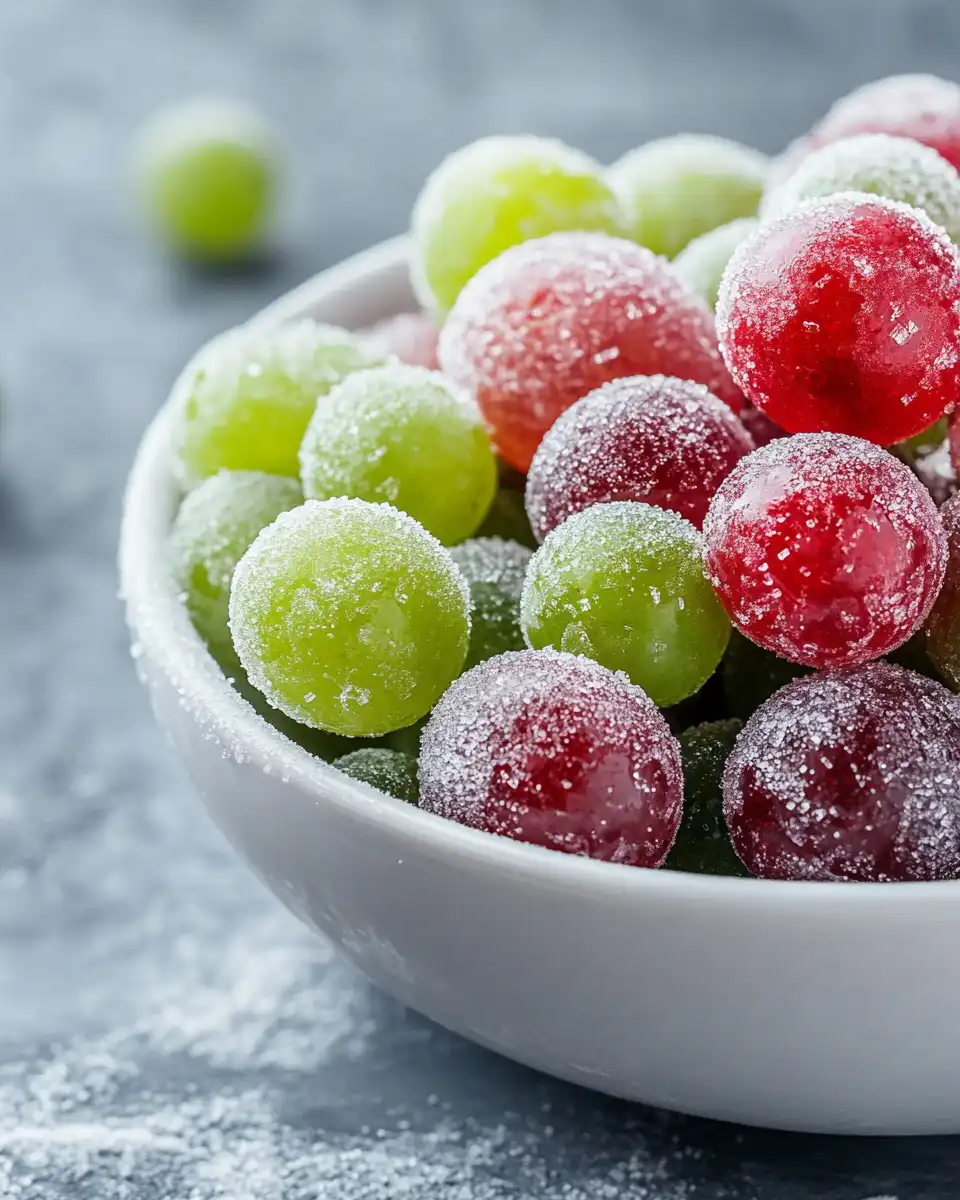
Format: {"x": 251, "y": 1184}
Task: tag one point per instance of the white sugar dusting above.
{"x": 409, "y": 337}
{"x": 653, "y": 439}
{"x": 920, "y": 106}
{"x": 857, "y": 776}
{"x": 701, "y": 262}
{"x": 493, "y": 560}
{"x": 898, "y": 168}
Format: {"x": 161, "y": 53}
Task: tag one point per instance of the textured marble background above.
{"x": 166, "y": 1031}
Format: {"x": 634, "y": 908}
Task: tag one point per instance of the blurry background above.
{"x": 165, "y": 1029}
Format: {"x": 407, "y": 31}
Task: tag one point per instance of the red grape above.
{"x": 844, "y": 315}
{"x": 555, "y": 750}
{"x": 825, "y": 549}
{"x": 552, "y": 319}
{"x": 663, "y": 441}
{"x": 411, "y": 337}
{"x": 849, "y": 775}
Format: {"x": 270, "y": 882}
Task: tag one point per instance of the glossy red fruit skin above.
{"x": 849, "y": 775}
{"x": 650, "y": 438}
{"x": 844, "y": 315}
{"x": 411, "y": 337}
{"x": 557, "y": 751}
{"x": 825, "y": 549}
{"x": 553, "y": 318}
{"x": 923, "y": 107}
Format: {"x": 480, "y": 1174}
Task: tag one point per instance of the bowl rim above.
{"x": 161, "y": 631}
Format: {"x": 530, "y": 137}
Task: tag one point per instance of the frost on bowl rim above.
{"x": 163, "y": 629}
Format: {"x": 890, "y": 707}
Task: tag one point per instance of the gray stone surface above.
{"x": 166, "y": 1031}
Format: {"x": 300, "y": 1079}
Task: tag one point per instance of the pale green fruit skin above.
{"x": 405, "y": 436}
{"x": 212, "y": 531}
{"x": 624, "y": 584}
{"x": 893, "y": 167}
{"x": 207, "y": 178}
{"x": 496, "y": 193}
{"x": 349, "y": 617}
{"x": 702, "y": 262}
{"x": 253, "y": 392}
{"x": 494, "y": 569}
{"x": 675, "y": 189}
{"x": 389, "y": 771}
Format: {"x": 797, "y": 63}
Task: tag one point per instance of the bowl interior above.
{"x": 357, "y": 293}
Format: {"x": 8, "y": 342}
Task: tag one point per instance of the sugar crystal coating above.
{"x": 254, "y": 391}
{"x": 923, "y": 107}
{"x": 676, "y": 188}
{"x": 557, "y": 751}
{"x": 389, "y": 771}
{"x": 409, "y": 337}
{"x": 650, "y": 438}
{"x": 212, "y": 530}
{"x": 349, "y": 616}
{"x": 895, "y": 167}
{"x": 943, "y": 625}
{"x": 844, "y": 315}
{"x": 825, "y": 549}
{"x": 849, "y": 775}
{"x": 701, "y": 263}
{"x": 703, "y": 841}
{"x": 623, "y": 583}
{"x": 552, "y": 319}
{"x": 494, "y": 570}
{"x": 496, "y": 193}
{"x": 937, "y": 473}
{"x": 405, "y": 436}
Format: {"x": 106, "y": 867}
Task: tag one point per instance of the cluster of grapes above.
{"x": 526, "y": 564}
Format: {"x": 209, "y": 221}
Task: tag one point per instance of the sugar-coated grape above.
{"x": 703, "y": 841}
{"x": 406, "y": 436}
{"x": 349, "y": 616}
{"x": 254, "y": 391}
{"x": 676, "y": 188}
{"x": 558, "y": 751}
{"x": 409, "y": 337}
{"x": 923, "y": 107}
{"x": 551, "y": 320}
{"x": 508, "y": 518}
{"x": 751, "y": 675}
{"x": 211, "y": 533}
{"x": 206, "y": 172}
{"x": 496, "y": 193}
{"x": 923, "y": 443}
{"x": 825, "y": 549}
{"x": 701, "y": 263}
{"x": 943, "y": 626}
{"x": 623, "y": 583}
{"x": 494, "y": 570}
{"x": 849, "y": 775}
{"x": 651, "y": 438}
{"x": 844, "y": 315}
{"x": 388, "y": 771}
{"x": 896, "y": 167}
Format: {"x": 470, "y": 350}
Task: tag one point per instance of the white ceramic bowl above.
{"x": 824, "y": 1007}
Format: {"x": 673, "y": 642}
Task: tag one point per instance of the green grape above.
{"x": 702, "y": 262}
{"x": 494, "y": 570}
{"x": 211, "y": 533}
{"x": 751, "y": 675}
{"x": 493, "y": 194}
{"x": 676, "y": 188}
{"x": 405, "y": 436}
{"x": 388, "y": 771}
{"x": 895, "y": 167}
{"x": 624, "y": 584}
{"x": 206, "y": 173}
{"x": 349, "y": 617}
{"x": 703, "y": 844}
{"x": 254, "y": 391}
